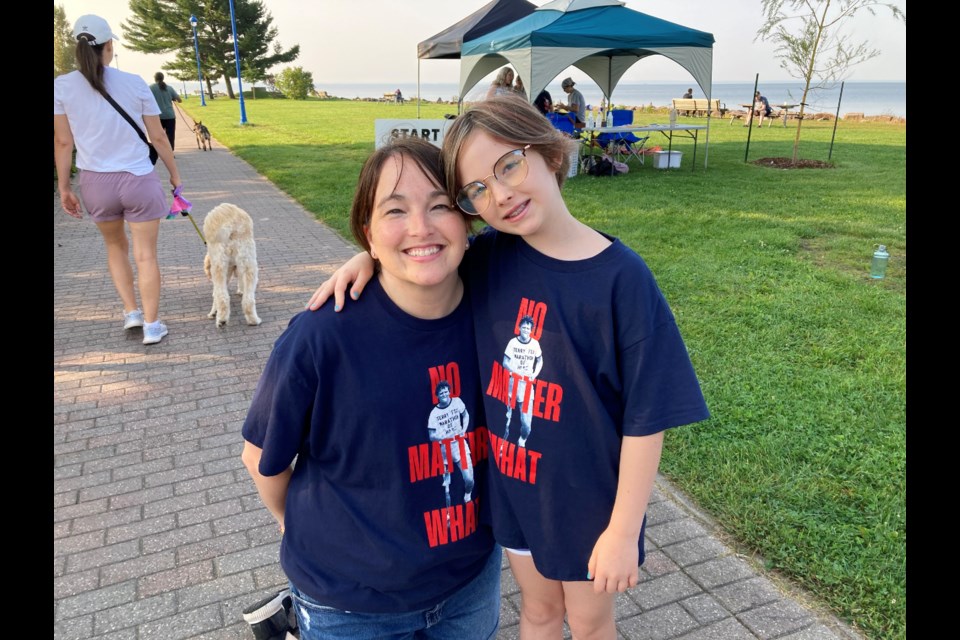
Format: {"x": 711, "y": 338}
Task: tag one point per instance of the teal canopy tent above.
{"x": 602, "y": 38}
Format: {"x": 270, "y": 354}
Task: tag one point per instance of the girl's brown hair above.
{"x": 513, "y": 121}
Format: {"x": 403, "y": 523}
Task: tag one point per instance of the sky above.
{"x": 375, "y": 41}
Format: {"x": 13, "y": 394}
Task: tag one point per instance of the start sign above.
{"x": 430, "y": 130}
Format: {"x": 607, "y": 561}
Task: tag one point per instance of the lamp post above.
{"x": 236, "y": 56}
{"x": 196, "y": 47}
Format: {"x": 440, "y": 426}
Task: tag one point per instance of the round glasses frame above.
{"x": 509, "y": 170}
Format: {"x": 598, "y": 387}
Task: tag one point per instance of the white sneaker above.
{"x": 133, "y": 319}
{"x": 154, "y": 332}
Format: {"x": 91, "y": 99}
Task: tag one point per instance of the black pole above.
{"x": 746, "y": 151}
{"x": 836, "y": 121}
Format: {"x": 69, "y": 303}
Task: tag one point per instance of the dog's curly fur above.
{"x": 231, "y": 250}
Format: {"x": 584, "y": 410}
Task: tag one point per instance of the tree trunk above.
{"x": 808, "y": 76}
{"x": 209, "y": 87}
{"x": 226, "y": 81}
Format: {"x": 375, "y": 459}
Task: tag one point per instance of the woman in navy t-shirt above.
{"x": 364, "y": 432}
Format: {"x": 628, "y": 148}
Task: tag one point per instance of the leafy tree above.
{"x": 295, "y": 83}
{"x": 810, "y": 42}
{"x": 163, "y": 26}
{"x": 64, "y": 45}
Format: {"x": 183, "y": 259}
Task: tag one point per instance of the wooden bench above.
{"x": 699, "y": 106}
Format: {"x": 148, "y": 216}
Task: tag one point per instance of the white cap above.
{"x": 93, "y": 29}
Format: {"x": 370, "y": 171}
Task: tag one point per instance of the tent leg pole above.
{"x": 706, "y": 144}
{"x": 418, "y": 88}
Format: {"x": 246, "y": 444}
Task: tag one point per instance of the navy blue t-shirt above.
{"x": 382, "y": 512}
{"x": 613, "y": 365}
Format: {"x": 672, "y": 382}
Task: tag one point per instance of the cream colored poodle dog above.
{"x": 231, "y": 250}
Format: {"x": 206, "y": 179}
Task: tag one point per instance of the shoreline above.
{"x": 850, "y": 116}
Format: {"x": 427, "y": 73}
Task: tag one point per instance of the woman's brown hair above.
{"x": 90, "y": 63}
{"x": 425, "y": 155}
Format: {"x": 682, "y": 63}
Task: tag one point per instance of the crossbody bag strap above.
{"x": 126, "y": 117}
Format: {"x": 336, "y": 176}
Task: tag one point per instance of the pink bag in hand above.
{"x": 180, "y": 204}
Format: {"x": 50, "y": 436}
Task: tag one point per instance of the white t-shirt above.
{"x": 523, "y": 357}
{"x": 446, "y": 422}
{"x": 105, "y": 141}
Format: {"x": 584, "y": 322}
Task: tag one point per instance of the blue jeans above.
{"x": 472, "y": 613}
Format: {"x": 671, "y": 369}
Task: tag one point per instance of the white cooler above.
{"x": 667, "y": 159}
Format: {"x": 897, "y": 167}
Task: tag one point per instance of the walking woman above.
{"x": 117, "y": 180}
{"x": 166, "y": 96}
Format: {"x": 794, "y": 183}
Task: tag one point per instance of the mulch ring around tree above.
{"x": 788, "y": 163}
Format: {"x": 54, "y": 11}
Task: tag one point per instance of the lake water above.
{"x": 870, "y": 98}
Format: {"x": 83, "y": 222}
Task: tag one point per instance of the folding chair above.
{"x": 562, "y": 123}
{"x": 625, "y": 145}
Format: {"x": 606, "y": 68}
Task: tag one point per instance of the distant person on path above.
{"x": 117, "y": 180}
{"x": 382, "y": 537}
{"x": 689, "y": 94}
{"x": 761, "y": 107}
{"x": 544, "y": 102}
{"x": 166, "y": 96}
{"x": 575, "y": 104}
{"x": 502, "y": 85}
{"x": 398, "y": 96}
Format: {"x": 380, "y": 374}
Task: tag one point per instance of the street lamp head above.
{"x": 193, "y": 20}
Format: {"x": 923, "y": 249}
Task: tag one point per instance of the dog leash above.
{"x": 182, "y": 117}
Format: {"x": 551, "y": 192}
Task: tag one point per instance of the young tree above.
{"x": 64, "y": 45}
{"x": 295, "y": 83}
{"x": 162, "y": 26}
{"x": 811, "y": 44}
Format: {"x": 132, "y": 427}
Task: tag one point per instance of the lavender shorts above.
{"x": 122, "y": 196}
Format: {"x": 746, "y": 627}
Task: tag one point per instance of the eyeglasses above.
{"x": 510, "y": 170}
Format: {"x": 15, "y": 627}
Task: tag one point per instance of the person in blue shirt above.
{"x": 761, "y": 107}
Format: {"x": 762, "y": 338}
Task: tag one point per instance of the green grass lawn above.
{"x": 800, "y": 354}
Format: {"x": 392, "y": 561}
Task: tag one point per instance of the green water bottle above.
{"x": 878, "y": 266}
